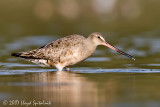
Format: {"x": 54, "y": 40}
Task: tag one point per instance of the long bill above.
{"x": 119, "y": 51}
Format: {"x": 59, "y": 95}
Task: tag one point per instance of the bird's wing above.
{"x": 55, "y": 49}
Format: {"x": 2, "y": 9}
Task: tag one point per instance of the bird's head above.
{"x": 98, "y": 39}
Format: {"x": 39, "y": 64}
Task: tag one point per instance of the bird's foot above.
{"x": 66, "y": 68}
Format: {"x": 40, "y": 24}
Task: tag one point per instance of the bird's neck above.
{"x": 90, "y": 47}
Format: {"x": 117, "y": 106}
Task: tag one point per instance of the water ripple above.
{"x": 118, "y": 71}
{"x": 81, "y": 70}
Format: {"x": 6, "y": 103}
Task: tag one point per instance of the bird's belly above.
{"x": 71, "y": 58}
{"x": 70, "y": 61}
{"x": 74, "y": 56}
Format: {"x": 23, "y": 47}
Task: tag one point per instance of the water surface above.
{"x": 106, "y": 79}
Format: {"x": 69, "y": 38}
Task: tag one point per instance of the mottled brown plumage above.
{"x": 66, "y": 51}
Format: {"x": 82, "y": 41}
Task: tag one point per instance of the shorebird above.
{"x": 67, "y": 51}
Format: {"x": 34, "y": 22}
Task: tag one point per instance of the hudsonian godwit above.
{"x": 67, "y": 51}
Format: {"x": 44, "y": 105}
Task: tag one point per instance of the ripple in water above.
{"x": 98, "y": 59}
{"x": 80, "y": 70}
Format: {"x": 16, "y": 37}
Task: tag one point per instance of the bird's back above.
{"x": 56, "y": 48}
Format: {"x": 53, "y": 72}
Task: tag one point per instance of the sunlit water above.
{"x": 105, "y": 79}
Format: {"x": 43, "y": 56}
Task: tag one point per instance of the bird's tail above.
{"x": 16, "y": 54}
{"x": 26, "y": 55}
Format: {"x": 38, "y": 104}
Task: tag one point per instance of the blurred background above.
{"x": 64, "y": 17}
{"x": 106, "y": 78}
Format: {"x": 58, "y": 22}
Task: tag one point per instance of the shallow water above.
{"x": 106, "y": 79}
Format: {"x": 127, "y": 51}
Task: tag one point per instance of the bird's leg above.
{"x": 67, "y": 68}
{"x": 59, "y": 67}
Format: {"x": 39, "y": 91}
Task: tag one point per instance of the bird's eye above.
{"x": 99, "y": 37}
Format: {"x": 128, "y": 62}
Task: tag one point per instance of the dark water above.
{"x": 106, "y": 79}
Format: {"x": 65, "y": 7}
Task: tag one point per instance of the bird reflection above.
{"x": 63, "y": 88}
